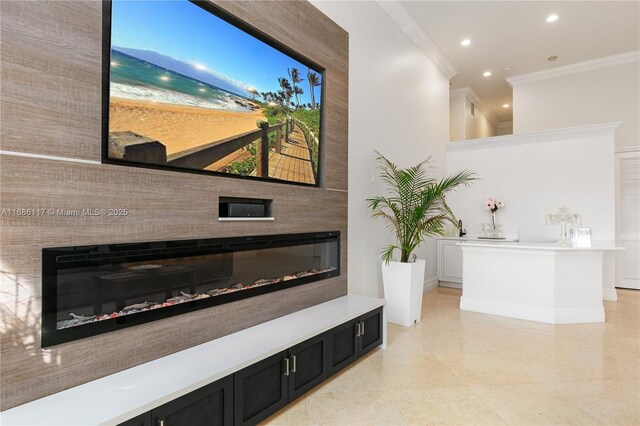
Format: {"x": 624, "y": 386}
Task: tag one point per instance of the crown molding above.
{"x": 472, "y": 96}
{"x": 578, "y": 67}
{"x": 536, "y": 137}
{"x": 627, "y": 149}
{"x": 459, "y": 93}
{"x": 411, "y": 28}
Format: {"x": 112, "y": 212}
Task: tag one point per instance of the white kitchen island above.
{"x": 542, "y": 282}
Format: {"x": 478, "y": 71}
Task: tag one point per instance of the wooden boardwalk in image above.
{"x": 238, "y": 155}
{"x": 294, "y": 161}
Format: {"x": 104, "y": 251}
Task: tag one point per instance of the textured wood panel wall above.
{"x": 50, "y": 105}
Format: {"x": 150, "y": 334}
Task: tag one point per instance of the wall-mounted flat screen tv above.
{"x": 189, "y": 87}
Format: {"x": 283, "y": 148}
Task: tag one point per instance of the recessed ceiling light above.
{"x": 552, "y": 18}
{"x": 486, "y": 74}
{"x": 465, "y": 42}
{"x": 506, "y": 106}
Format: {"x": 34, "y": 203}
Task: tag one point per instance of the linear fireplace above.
{"x": 90, "y": 290}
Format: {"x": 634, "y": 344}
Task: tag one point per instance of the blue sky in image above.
{"x": 186, "y": 32}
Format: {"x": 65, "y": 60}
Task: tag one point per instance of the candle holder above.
{"x": 565, "y": 219}
{"x": 492, "y": 231}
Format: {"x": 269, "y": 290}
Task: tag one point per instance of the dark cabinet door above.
{"x": 260, "y": 390}
{"x": 308, "y": 365}
{"x": 342, "y": 346}
{"x": 141, "y": 420}
{"x": 208, "y": 406}
{"x": 370, "y": 331}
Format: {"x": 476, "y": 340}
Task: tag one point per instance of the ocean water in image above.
{"x": 135, "y": 79}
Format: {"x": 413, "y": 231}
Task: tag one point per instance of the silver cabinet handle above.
{"x": 362, "y": 332}
{"x": 286, "y": 366}
{"x": 160, "y": 422}
{"x": 293, "y": 362}
{"x": 357, "y": 329}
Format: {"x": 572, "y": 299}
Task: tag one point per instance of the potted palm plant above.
{"x": 414, "y": 209}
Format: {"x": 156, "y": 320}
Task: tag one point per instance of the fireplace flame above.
{"x": 79, "y": 319}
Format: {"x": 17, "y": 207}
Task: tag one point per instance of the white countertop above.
{"x": 595, "y": 245}
{"x": 126, "y": 394}
{"x": 476, "y": 238}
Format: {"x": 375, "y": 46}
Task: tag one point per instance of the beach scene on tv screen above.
{"x": 192, "y": 91}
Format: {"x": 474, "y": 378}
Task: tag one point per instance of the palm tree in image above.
{"x": 314, "y": 81}
{"x": 294, "y": 74}
{"x": 252, "y": 92}
{"x": 286, "y": 91}
{"x": 297, "y": 90}
{"x": 289, "y": 95}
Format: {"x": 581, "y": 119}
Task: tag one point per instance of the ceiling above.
{"x": 516, "y": 34}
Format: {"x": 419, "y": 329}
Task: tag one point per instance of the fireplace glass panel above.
{"x": 92, "y": 285}
{"x": 95, "y": 293}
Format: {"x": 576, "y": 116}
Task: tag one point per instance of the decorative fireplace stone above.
{"x": 90, "y": 290}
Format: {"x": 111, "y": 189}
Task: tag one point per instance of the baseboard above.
{"x": 430, "y": 284}
{"x": 450, "y": 284}
{"x": 584, "y": 315}
{"x": 610, "y": 294}
{"x": 533, "y": 313}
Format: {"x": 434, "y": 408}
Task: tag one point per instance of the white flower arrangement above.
{"x": 492, "y": 204}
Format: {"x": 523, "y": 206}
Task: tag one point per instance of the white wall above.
{"x": 399, "y": 105}
{"x": 535, "y": 174}
{"x": 464, "y": 125}
{"x": 505, "y": 128}
{"x": 457, "y": 128}
{"x": 478, "y": 125}
{"x": 597, "y": 96}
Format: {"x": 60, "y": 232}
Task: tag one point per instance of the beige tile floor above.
{"x": 465, "y": 368}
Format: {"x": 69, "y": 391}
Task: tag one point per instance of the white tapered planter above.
{"x": 403, "y": 286}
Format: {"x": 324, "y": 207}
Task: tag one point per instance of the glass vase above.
{"x": 493, "y": 229}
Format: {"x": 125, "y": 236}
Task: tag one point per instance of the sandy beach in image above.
{"x": 179, "y": 127}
